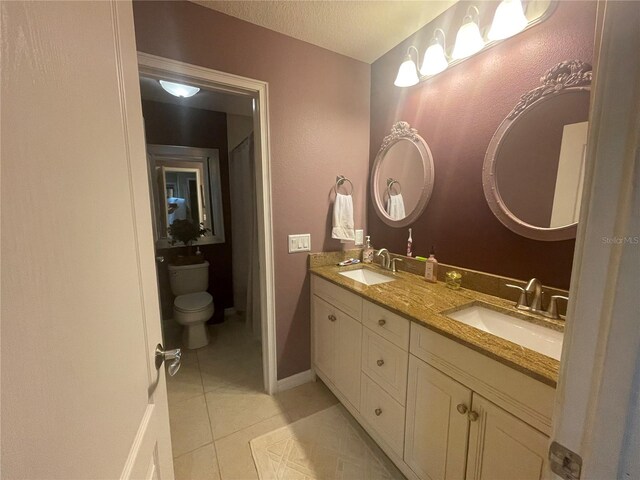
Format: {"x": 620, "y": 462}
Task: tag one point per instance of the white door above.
{"x": 81, "y": 397}
{"x": 437, "y": 424}
{"x": 502, "y": 447}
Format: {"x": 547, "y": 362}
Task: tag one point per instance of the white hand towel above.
{"x": 395, "y": 207}
{"x": 343, "y": 218}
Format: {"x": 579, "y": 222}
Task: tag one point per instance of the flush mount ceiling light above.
{"x": 468, "y": 40}
{"x": 508, "y": 20}
{"x": 178, "y": 89}
{"x": 407, "y": 73}
{"x": 435, "y": 58}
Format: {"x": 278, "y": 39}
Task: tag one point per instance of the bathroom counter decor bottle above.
{"x": 431, "y": 268}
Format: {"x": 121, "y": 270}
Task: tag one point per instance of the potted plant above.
{"x": 187, "y": 232}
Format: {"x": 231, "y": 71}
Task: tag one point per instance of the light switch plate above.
{"x": 359, "y": 238}
{"x": 300, "y": 243}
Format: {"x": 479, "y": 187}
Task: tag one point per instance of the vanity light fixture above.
{"x": 178, "y": 89}
{"x": 468, "y": 40}
{"x": 407, "y": 73}
{"x": 508, "y": 20}
{"x": 435, "y": 59}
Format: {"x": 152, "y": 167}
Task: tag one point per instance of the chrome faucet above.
{"x": 534, "y": 286}
{"x": 392, "y": 267}
{"x": 386, "y": 259}
{"x": 535, "y": 304}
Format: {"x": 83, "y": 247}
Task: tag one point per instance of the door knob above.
{"x": 162, "y": 355}
{"x": 332, "y": 317}
{"x": 380, "y": 362}
{"x": 378, "y": 412}
{"x": 381, "y": 322}
{"x": 473, "y": 416}
{"x": 462, "y": 408}
{"x": 160, "y": 259}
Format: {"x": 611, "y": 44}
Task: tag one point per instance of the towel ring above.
{"x": 390, "y": 183}
{"x": 340, "y": 179}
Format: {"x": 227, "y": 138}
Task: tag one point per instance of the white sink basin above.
{"x": 368, "y": 277}
{"x": 534, "y": 337}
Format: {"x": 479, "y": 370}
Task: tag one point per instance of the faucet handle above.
{"x": 522, "y": 303}
{"x": 393, "y": 264}
{"x": 552, "y": 309}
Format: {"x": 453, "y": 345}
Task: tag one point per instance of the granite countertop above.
{"x": 428, "y": 303}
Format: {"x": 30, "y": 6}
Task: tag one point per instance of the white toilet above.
{"x": 193, "y": 306}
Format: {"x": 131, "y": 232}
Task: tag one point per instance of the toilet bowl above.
{"x": 193, "y": 306}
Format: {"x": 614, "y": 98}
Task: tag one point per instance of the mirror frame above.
{"x": 567, "y": 77}
{"x": 204, "y": 159}
{"x": 402, "y": 131}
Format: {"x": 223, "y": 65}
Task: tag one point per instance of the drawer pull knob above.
{"x": 473, "y": 416}
{"x": 382, "y": 322}
{"x": 332, "y": 317}
{"x": 380, "y": 362}
{"x": 378, "y": 412}
{"x": 462, "y": 408}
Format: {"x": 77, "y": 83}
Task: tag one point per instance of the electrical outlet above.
{"x": 359, "y": 238}
{"x": 300, "y": 243}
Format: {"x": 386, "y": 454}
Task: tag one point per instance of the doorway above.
{"x": 251, "y": 97}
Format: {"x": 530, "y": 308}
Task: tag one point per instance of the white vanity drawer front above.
{"x": 348, "y": 302}
{"x": 519, "y": 394}
{"x": 385, "y": 363}
{"x": 386, "y": 324}
{"x": 383, "y": 414}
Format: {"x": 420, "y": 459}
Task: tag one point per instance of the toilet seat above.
{"x": 193, "y": 302}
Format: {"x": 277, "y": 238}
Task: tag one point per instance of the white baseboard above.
{"x": 295, "y": 380}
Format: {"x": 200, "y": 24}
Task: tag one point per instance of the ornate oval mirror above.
{"x": 402, "y": 176}
{"x": 534, "y": 166}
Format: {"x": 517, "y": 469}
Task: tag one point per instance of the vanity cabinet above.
{"x": 437, "y": 427}
{"x": 437, "y": 408}
{"x": 337, "y": 339}
{"x": 502, "y": 446}
{"x": 450, "y": 427}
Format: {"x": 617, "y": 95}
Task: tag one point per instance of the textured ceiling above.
{"x": 364, "y": 30}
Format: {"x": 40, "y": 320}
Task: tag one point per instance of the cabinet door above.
{"x": 348, "y": 345}
{"x": 436, "y": 432}
{"x": 502, "y": 447}
{"x": 324, "y": 319}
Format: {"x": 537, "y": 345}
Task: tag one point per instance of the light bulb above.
{"x": 178, "y": 89}
{"x": 468, "y": 40}
{"x": 407, "y": 74}
{"x": 434, "y": 60}
{"x": 508, "y": 20}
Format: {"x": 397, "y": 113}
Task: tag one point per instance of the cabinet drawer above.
{"x": 386, "y": 324}
{"x": 349, "y": 303}
{"x": 519, "y": 394}
{"x": 385, "y": 363}
{"x": 383, "y": 414}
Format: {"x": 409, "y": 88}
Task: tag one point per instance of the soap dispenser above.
{"x": 367, "y": 253}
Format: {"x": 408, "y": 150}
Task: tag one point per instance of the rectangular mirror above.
{"x": 185, "y": 186}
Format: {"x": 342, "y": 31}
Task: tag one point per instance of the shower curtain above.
{"x": 244, "y": 224}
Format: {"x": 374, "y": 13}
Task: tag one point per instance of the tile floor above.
{"x": 217, "y": 405}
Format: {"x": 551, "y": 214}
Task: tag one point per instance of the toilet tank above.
{"x": 189, "y": 278}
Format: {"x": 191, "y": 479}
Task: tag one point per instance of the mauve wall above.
{"x": 319, "y": 119}
{"x": 457, "y": 113}
{"x": 168, "y": 124}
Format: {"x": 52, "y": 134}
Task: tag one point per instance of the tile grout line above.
{"x": 213, "y": 440}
